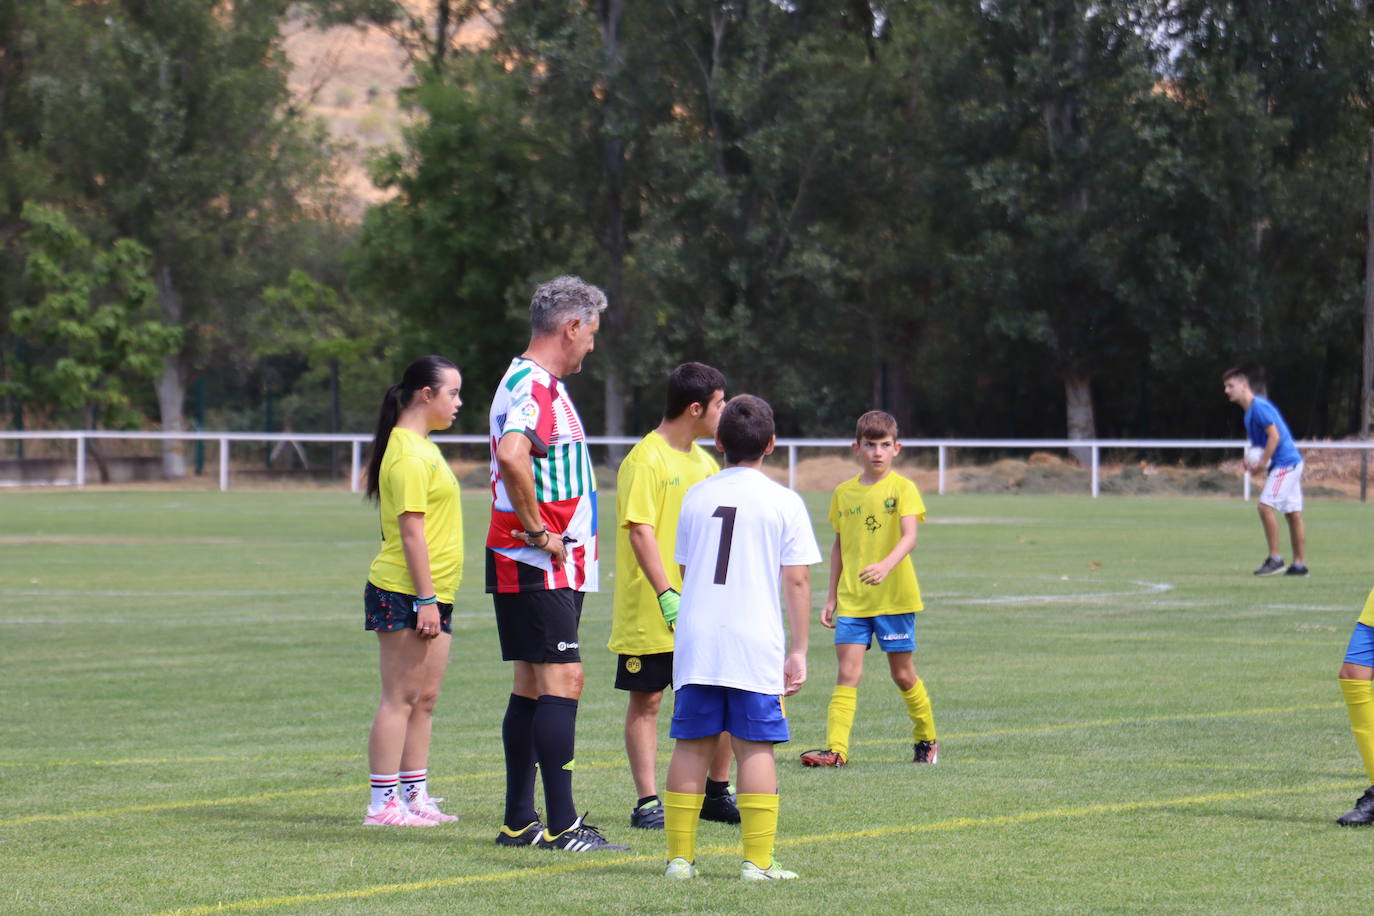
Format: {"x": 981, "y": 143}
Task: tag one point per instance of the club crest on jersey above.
{"x": 890, "y": 505}
{"x": 633, "y": 665}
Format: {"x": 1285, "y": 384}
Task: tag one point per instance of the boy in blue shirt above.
{"x": 1282, "y": 491}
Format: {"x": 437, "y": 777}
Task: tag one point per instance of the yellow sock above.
{"x": 918, "y": 708}
{"x": 681, "y": 811}
{"x": 839, "y": 722}
{"x": 1359, "y": 702}
{"x": 758, "y": 816}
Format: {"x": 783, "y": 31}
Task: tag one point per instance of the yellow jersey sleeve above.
{"x": 1367, "y": 615}
{"x": 407, "y": 483}
{"x": 637, "y": 493}
{"x": 909, "y": 500}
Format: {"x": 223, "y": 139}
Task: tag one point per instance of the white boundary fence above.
{"x": 358, "y": 442}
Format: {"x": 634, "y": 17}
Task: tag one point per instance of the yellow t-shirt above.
{"x": 650, "y": 485}
{"x": 1367, "y": 615}
{"x": 868, "y": 519}
{"x": 414, "y": 477}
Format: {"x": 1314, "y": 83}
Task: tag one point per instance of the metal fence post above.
{"x": 940, "y": 485}
{"x": 355, "y": 461}
{"x": 1096, "y": 473}
{"x": 791, "y": 467}
{"x": 1245, "y": 472}
{"x": 223, "y": 465}
{"x": 80, "y": 461}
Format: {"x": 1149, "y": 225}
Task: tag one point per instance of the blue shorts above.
{"x": 896, "y": 632}
{"x": 701, "y": 710}
{"x": 1361, "y": 648}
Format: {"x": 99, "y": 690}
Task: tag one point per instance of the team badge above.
{"x": 890, "y": 504}
{"x": 872, "y": 524}
{"x": 633, "y": 664}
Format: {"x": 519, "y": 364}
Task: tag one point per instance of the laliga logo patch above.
{"x": 530, "y": 411}
{"x": 565, "y": 646}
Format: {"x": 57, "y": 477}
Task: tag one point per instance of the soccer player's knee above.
{"x": 644, "y": 703}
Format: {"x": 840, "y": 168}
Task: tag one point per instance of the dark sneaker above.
{"x": 526, "y": 836}
{"x": 648, "y": 816}
{"x": 925, "y": 752}
{"x": 721, "y": 809}
{"x": 1297, "y": 569}
{"x": 1270, "y": 566}
{"x": 580, "y": 837}
{"x": 823, "y": 757}
{"x": 1362, "y": 813}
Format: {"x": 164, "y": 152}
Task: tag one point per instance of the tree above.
{"x": 199, "y": 155}
{"x": 90, "y": 325}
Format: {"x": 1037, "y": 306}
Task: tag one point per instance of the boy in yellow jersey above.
{"x": 873, "y": 589}
{"x": 653, "y": 479}
{"x": 1357, "y": 684}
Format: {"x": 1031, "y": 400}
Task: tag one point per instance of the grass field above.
{"x": 1128, "y": 720}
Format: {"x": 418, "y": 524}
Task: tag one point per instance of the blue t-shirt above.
{"x": 1262, "y": 412}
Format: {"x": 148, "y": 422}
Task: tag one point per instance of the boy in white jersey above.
{"x": 873, "y": 590}
{"x": 741, "y": 539}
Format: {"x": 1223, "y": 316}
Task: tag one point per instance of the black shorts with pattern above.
{"x": 386, "y": 611}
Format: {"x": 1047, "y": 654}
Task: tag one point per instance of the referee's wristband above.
{"x": 432, "y": 599}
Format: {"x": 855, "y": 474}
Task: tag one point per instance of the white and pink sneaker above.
{"x": 428, "y": 808}
{"x": 394, "y": 814}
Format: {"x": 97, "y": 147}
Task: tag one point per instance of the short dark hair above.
{"x": 1236, "y": 372}
{"x": 691, "y": 383}
{"x": 746, "y": 425}
{"x": 876, "y": 424}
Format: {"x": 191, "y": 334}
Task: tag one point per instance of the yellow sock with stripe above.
{"x": 918, "y": 708}
{"x": 839, "y": 721}
{"x": 758, "y": 816}
{"x": 1359, "y": 702}
{"x": 681, "y": 811}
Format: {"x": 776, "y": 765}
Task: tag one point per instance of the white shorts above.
{"x": 1283, "y": 489}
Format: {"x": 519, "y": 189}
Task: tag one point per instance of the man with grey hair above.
{"x": 541, "y": 558}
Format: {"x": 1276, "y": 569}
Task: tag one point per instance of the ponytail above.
{"x": 425, "y": 372}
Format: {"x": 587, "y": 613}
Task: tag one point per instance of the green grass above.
{"x": 1128, "y": 719}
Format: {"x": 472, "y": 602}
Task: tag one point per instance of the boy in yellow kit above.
{"x": 1356, "y": 674}
{"x": 873, "y": 590}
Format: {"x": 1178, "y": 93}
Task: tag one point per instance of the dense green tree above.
{"x": 89, "y": 319}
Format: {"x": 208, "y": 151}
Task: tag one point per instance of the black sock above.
{"x": 555, "y": 722}
{"x": 716, "y": 789}
{"x": 645, "y": 800}
{"x": 517, "y": 731}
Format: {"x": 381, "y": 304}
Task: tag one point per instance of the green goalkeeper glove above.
{"x": 668, "y": 600}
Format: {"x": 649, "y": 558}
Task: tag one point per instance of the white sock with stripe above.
{"x": 412, "y": 785}
{"x": 383, "y": 788}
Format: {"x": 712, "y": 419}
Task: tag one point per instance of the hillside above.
{"x": 350, "y": 78}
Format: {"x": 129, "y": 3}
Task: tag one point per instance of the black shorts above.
{"x": 645, "y": 673}
{"x": 386, "y": 611}
{"x": 539, "y": 627}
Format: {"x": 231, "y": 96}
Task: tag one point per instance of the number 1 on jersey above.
{"x": 726, "y": 514}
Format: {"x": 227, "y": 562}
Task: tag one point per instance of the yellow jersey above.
{"x": 650, "y": 485}
{"x": 414, "y": 477}
{"x": 868, "y": 520}
{"x": 1367, "y": 615}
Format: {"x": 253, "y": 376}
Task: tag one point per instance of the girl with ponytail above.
{"x": 408, "y": 600}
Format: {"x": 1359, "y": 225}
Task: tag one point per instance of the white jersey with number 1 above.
{"x": 736, "y": 532}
